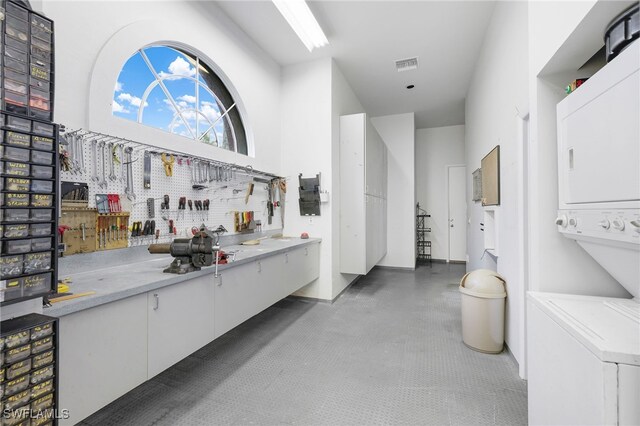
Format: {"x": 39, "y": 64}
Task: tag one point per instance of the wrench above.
{"x": 105, "y": 155}
{"x": 129, "y": 191}
{"x": 112, "y": 175}
{"x": 99, "y": 163}
{"x": 122, "y": 161}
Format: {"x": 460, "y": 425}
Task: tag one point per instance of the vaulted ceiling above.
{"x": 367, "y": 37}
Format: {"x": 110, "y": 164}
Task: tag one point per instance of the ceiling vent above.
{"x": 407, "y": 64}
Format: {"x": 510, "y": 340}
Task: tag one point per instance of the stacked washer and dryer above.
{"x": 584, "y": 351}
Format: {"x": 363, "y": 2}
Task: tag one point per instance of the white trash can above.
{"x": 483, "y": 299}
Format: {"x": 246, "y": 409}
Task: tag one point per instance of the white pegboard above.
{"x": 226, "y": 196}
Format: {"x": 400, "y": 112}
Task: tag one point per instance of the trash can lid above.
{"x": 483, "y": 283}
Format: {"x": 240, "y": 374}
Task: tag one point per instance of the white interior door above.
{"x": 457, "y": 214}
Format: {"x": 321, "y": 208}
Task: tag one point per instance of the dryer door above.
{"x": 599, "y": 136}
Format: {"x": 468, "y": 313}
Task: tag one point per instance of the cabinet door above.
{"x": 235, "y": 297}
{"x": 271, "y": 282}
{"x": 180, "y": 321}
{"x": 103, "y": 355}
{"x": 302, "y": 266}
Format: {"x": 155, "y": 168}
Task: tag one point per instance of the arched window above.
{"x": 173, "y": 90}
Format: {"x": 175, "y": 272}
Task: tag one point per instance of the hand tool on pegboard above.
{"x": 182, "y": 202}
{"x": 147, "y": 170}
{"x": 168, "y": 164}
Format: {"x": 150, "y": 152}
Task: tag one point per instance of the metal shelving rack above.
{"x": 422, "y": 244}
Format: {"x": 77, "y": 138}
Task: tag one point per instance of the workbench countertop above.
{"x": 117, "y": 282}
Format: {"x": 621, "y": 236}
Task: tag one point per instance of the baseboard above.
{"x": 458, "y": 262}
{"x": 396, "y": 268}
{"x": 513, "y": 358}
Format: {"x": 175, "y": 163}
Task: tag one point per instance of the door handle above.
{"x": 286, "y": 258}
{"x": 452, "y": 226}
{"x": 259, "y": 266}
{"x": 155, "y": 308}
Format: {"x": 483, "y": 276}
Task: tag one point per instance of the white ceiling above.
{"x": 366, "y": 37}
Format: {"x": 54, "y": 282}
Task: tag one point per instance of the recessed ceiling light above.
{"x": 411, "y": 86}
{"x": 300, "y": 18}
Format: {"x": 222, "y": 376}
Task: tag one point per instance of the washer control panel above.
{"x": 619, "y": 225}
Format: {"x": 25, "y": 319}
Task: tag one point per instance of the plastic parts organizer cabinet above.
{"x": 28, "y": 370}
{"x": 28, "y": 156}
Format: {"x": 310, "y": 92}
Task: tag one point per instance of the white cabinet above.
{"x": 180, "y": 320}
{"x": 302, "y": 267}
{"x": 102, "y": 355}
{"x": 110, "y": 349}
{"x": 246, "y": 290}
{"x": 363, "y": 192}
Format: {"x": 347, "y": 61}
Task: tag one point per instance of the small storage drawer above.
{"x": 12, "y": 387}
{"x": 42, "y": 200}
{"x": 42, "y": 33}
{"x": 41, "y": 331}
{"x": 17, "y": 139}
{"x": 44, "y": 158}
{"x": 41, "y": 389}
{"x": 17, "y": 400}
{"x": 43, "y": 129}
{"x": 17, "y": 11}
{"x": 40, "y": 244}
{"x": 37, "y": 262}
{"x": 38, "y": 71}
{"x": 41, "y": 215}
{"x": 42, "y": 172}
{"x": 39, "y": 53}
{"x": 16, "y": 215}
{"x": 43, "y": 359}
{"x": 18, "y": 417}
{"x": 36, "y": 284}
{"x": 18, "y": 369}
{"x": 14, "y": 102}
{"x": 42, "y": 344}
{"x": 18, "y": 123}
{"x": 17, "y": 184}
{"x": 41, "y": 375}
{"x": 16, "y": 154}
{"x": 41, "y": 186}
{"x": 16, "y": 76}
{"x": 16, "y": 231}
{"x": 15, "y": 200}
{"x": 16, "y": 246}
{"x": 15, "y": 86}
{"x": 17, "y": 354}
{"x": 39, "y": 142}
{"x": 17, "y": 169}
{"x": 10, "y": 289}
{"x": 14, "y": 64}
{"x": 11, "y": 266}
{"x": 40, "y": 84}
{"x": 42, "y": 403}
{"x": 17, "y": 339}
{"x": 40, "y": 229}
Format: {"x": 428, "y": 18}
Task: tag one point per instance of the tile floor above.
{"x": 388, "y": 351}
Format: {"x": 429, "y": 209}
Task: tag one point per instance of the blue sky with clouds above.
{"x": 158, "y": 110}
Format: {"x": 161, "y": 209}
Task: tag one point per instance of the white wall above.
{"x": 94, "y": 39}
{"x": 558, "y": 264}
{"x": 437, "y": 148}
{"x": 314, "y": 96}
{"x": 398, "y": 134}
{"x": 343, "y": 102}
{"x": 497, "y": 94}
{"x": 306, "y": 148}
